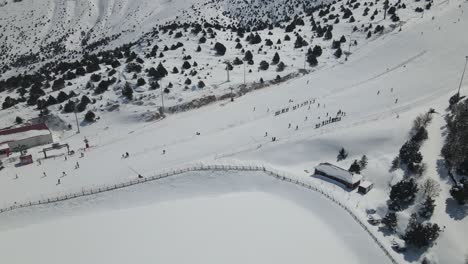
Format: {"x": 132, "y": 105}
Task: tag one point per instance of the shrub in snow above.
{"x": 95, "y": 77}
{"x": 264, "y": 65}
{"x": 280, "y": 67}
{"x": 141, "y": 82}
{"x": 186, "y": 65}
{"x": 62, "y": 97}
{"x": 459, "y": 192}
{"x": 69, "y": 107}
{"x": 220, "y": 49}
{"x": 390, "y": 221}
{"x": 18, "y": 120}
{"x": 188, "y": 81}
{"x": 201, "y": 84}
{"x": 312, "y": 60}
{"x": 427, "y": 208}
{"x": 338, "y": 53}
{"x": 317, "y": 51}
{"x": 355, "y": 167}
{"x": 237, "y": 61}
{"x": 90, "y": 116}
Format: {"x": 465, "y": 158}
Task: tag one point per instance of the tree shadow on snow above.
{"x": 413, "y": 254}
{"x": 454, "y": 210}
{"x": 442, "y": 170}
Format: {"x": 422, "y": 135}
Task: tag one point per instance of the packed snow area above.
{"x": 206, "y": 217}
{"x": 381, "y": 89}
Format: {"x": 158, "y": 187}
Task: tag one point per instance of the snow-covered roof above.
{"x": 365, "y": 184}
{"x": 20, "y": 133}
{"x": 338, "y": 172}
{"x": 4, "y": 146}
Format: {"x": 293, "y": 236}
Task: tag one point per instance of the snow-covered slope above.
{"x": 381, "y": 88}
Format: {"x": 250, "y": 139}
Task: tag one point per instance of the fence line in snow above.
{"x": 270, "y": 172}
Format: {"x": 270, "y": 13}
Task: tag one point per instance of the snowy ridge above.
{"x": 222, "y": 167}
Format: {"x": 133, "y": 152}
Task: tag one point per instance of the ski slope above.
{"x": 232, "y": 217}
{"x": 382, "y": 88}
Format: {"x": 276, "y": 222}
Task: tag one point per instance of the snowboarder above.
{"x": 139, "y": 176}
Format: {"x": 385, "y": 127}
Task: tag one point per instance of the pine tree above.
{"x": 395, "y": 163}
{"x": 264, "y": 65}
{"x": 127, "y": 91}
{"x": 248, "y": 56}
{"x": 276, "y": 59}
{"x": 363, "y": 162}
{"x": 402, "y": 194}
{"x": 427, "y": 208}
{"x": 390, "y": 221}
{"x": 355, "y": 168}
{"x": 342, "y": 155}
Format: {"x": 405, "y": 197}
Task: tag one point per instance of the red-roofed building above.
{"x": 25, "y": 137}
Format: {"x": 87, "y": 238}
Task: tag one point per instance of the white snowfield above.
{"x": 382, "y": 88}
{"x": 233, "y": 217}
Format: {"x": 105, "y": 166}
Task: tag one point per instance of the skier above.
{"x": 82, "y": 154}
{"x": 164, "y": 151}
{"x": 16, "y": 176}
{"x": 127, "y": 155}
{"x": 45, "y": 175}
{"x": 266, "y": 134}
{"x": 378, "y": 92}
{"x": 396, "y": 101}
{"x": 77, "y": 166}
{"x": 297, "y": 127}
{"x": 64, "y": 174}
{"x": 139, "y": 176}
{"x": 289, "y": 125}
{"x": 65, "y": 158}
{"x": 306, "y": 118}
{"x": 58, "y": 181}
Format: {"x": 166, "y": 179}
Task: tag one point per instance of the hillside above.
{"x": 400, "y": 70}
